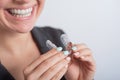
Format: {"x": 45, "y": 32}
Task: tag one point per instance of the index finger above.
{"x": 48, "y": 54}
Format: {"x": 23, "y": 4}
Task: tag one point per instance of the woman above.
{"x": 28, "y": 53}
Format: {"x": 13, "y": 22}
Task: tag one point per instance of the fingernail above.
{"x": 66, "y": 66}
{"x": 66, "y": 53}
{"x": 76, "y": 54}
{"x": 68, "y": 58}
{"x": 82, "y": 57}
{"x": 74, "y": 48}
{"x": 59, "y": 48}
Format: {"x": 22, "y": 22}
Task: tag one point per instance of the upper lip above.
{"x": 22, "y": 7}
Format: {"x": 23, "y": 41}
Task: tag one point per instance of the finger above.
{"x": 54, "y": 69}
{"x": 46, "y": 64}
{"x": 84, "y": 55}
{"x": 33, "y": 65}
{"x": 77, "y": 47}
{"x": 60, "y": 74}
{"x": 89, "y": 61}
{"x": 83, "y": 52}
{"x": 85, "y": 58}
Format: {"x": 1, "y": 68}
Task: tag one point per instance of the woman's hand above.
{"x": 49, "y": 66}
{"x": 83, "y": 65}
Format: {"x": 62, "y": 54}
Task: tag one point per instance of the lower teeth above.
{"x": 17, "y": 15}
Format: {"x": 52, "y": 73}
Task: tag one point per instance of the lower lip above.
{"x": 9, "y": 16}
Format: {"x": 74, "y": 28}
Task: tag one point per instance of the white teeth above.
{"x": 21, "y": 13}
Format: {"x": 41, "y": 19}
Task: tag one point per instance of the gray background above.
{"x": 94, "y": 22}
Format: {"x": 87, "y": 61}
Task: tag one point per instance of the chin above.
{"x": 22, "y": 29}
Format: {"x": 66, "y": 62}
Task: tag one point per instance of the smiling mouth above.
{"x": 20, "y": 13}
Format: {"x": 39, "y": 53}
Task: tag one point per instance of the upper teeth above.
{"x": 21, "y": 12}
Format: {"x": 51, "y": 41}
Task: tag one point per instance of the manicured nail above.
{"x": 66, "y": 66}
{"x": 76, "y": 54}
{"x": 66, "y": 53}
{"x": 82, "y": 57}
{"x": 59, "y": 48}
{"x": 74, "y": 48}
{"x": 68, "y": 58}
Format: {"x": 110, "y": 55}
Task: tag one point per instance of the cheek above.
{"x": 1, "y": 6}
{"x": 40, "y": 6}
{"x": 4, "y": 3}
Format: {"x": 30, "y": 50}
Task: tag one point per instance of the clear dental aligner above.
{"x": 66, "y": 42}
{"x": 50, "y": 45}
{"x": 64, "y": 39}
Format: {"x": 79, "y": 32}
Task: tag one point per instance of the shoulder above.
{"x": 55, "y": 35}
{"x": 49, "y": 29}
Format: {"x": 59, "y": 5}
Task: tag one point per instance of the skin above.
{"x": 83, "y": 64}
{"x": 23, "y": 25}
{"x": 21, "y": 57}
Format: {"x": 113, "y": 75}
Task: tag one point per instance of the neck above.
{"x": 14, "y": 42}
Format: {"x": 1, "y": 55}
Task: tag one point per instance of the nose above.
{"x": 22, "y": 1}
